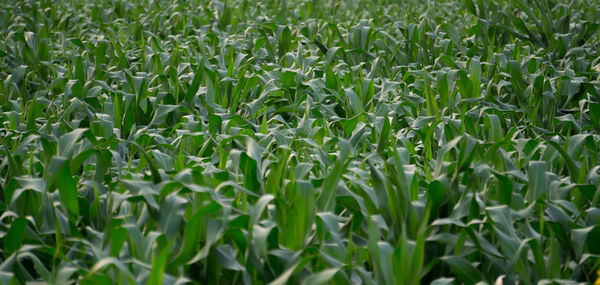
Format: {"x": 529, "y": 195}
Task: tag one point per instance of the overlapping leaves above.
{"x": 170, "y": 142}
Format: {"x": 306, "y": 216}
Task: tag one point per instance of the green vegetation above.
{"x": 299, "y": 141}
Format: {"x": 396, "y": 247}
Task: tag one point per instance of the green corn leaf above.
{"x": 15, "y": 235}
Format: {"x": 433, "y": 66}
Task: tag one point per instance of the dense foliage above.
{"x": 299, "y": 141}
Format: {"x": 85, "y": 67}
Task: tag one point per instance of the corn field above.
{"x": 299, "y": 142}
